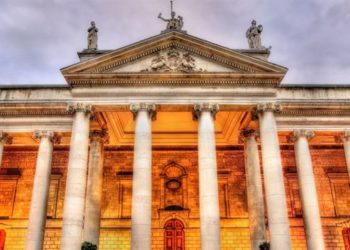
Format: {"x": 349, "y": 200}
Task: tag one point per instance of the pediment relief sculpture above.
{"x": 173, "y": 61}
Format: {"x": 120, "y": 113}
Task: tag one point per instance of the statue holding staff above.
{"x": 173, "y": 23}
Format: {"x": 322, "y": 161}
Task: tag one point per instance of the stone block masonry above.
{"x": 332, "y": 185}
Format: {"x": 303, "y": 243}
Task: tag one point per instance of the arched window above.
{"x": 173, "y": 187}
{"x": 174, "y": 236}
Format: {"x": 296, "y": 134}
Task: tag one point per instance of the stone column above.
{"x": 40, "y": 194}
{"x": 273, "y": 178}
{"x": 346, "y": 142}
{"x": 4, "y": 139}
{"x": 141, "y": 214}
{"x": 94, "y": 187}
{"x": 208, "y": 180}
{"x": 254, "y": 189}
{"x": 73, "y": 212}
{"x": 308, "y": 193}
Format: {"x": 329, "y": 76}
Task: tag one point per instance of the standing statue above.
{"x": 92, "y": 37}
{"x": 173, "y": 23}
{"x": 253, "y": 34}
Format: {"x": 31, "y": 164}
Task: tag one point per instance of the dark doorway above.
{"x": 2, "y": 239}
{"x": 174, "y": 236}
{"x": 346, "y": 237}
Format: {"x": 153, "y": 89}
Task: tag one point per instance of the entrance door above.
{"x": 346, "y": 237}
{"x": 174, "y": 236}
{"x": 2, "y": 239}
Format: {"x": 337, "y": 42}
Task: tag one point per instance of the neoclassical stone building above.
{"x": 175, "y": 143}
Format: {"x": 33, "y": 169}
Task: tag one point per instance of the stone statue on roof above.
{"x": 173, "y": 23}
{"x": 92, "y": 37}
{"x": 254, "y": 36}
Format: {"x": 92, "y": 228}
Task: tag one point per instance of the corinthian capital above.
{"x": 347, "y": 135}
{"x": 51, "y": 135}
{"x": 149, "y": 107}
{"x": 248, "y": 133}
{"x": 205, "y": 107}
{"x": 5, "y": 138}
{"x": 99, "y": 135}
{"x": 342, "y": 137}
{"x": 296, "y": 134}
{"x": 79, "y": 107}
{"x": 268, "y": 107}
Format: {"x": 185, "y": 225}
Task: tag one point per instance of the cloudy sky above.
{"x": 310, "y": 37}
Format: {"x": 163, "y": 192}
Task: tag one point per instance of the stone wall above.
{"x": 329, "y": 167}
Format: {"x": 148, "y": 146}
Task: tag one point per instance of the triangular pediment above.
{"x": 175, "y": 54}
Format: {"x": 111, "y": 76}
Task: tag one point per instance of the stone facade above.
{"x": 174, "y": 164}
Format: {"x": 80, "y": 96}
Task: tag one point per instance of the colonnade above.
{"x": 83, "y": 195}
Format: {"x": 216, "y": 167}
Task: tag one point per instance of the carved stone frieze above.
{"x": 173, "y": 60}
{"x": 209, "y": 107}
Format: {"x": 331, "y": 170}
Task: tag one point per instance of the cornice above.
{"x": 163, "y": 80}
{"x": 22, "y": 110}
{"x": 30, "y": 112}
{"x": 314, "y": 113}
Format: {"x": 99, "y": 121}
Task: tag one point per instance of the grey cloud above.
{"x": 38, "y": 37}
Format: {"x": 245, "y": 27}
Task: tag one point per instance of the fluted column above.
{"x": 273, "y": 178}
{"x": 73, "y": 212}
{"x": 94, "y": 187}
{"x": 208, "y": 180}
{"x": 4, "y": 139}
{"x": 309, "y": 201}
{"x": 141, "y": 214}
{"x": 40, "y": 194}
{"x": 254, "y": 189}
{"x": 346, "y": 141}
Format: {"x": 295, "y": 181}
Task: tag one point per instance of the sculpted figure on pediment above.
{"x": 158, "y": 63}
{"x": 254, "y": 35}
{"x": 92, "y": 36}
{"x": 173, "y": 61}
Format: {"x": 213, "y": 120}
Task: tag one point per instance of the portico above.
{"x": 157, "y": 154}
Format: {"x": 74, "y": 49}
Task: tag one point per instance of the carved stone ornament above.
{"x": 51, "y": 135}
{"x": 342, "y": 137}
{"x": 79, "y": 107}
{"x": 173, "y": 60}
{"x": 253, "y": 35}
{"x": 265, "y": 107}
{"x": 269, "y": 107}
{"x": 296, "y": 134}
{"x": 248, "y": 133}
{"x": 173, "y": 23}
{"x": 92, "y": 36}
{"x": 209, "y": 107}
{"x": 149, "y": 107}
{"x": 99, "y": 135}
{"x": 347, "y": 135}
{"x": 5, "y": 138}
